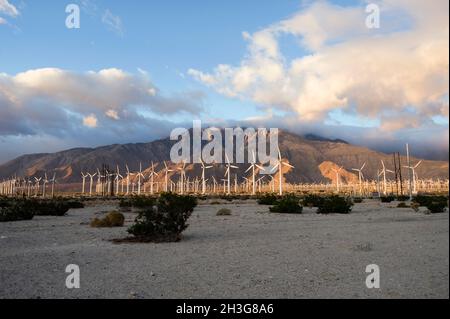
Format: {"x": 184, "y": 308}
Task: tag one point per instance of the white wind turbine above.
{"x": 279, "y": 166}
{"x": 91, "y": 182}
{"x": 228, "y": 174}
{"x": 252, "y": 167}
{"x": 38, "y": 181}
{"x": 338, "y": 177}
{"x": 383, "y": 173}
{"x": 204, "y": 168}
{"x": 166, "y": 170}
{"x": 84, "y": 176}
{"x": 182, "y": 170}
{"x": 128, "y": 178}
{"x": 117, "y": 179}
{"x": 53, "y": 181}
{"x": 44, "y": 184}
{"x": 360, "y": 176}
{"x": 139, "y": 175}
{"x": 414, "y": 175}
{"x": 152, "y": 174}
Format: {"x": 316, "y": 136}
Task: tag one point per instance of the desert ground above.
{"x": 250, "y": 254}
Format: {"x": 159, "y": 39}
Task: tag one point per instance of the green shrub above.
{"x": 137, "y": 202}
{"x": 15, "y": 212}
{"x": 75, "y": 204}
{"x": 112, "y": 219}
{"x": 387, "y": 199}
{"x": 357, "y": 200}
{"x": 403, "y": 205}
{"x": 437, "y": 207}
{"x": 312, "y": 200}
{"x": 166, "y": 221}
{"x": 50, "y": 207}
{"x": 335, "y": 205}
{"x": 402, "y": 198}
{"x": 425, "y": 200}
{"x": 287, "y": 205}
{"x": 268, "y": 199}
{"x": 223, "y": 212}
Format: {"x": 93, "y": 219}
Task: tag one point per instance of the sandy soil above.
{"x": 251, "y": 254}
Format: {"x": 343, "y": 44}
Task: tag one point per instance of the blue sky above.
{"x": 179, "y": 44}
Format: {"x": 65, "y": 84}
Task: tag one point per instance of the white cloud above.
{"x": 382, "y": 74}
{"x": 112, "y": 114}
{"x": 8, "y": 9}
{"x": 90, "y": 121}
{"x": 52, "y": 101}
{"x": 113, "y": 22}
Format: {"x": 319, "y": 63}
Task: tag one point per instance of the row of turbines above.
{"x": 34, "y": 186}
{"x": 105, "y": 182}
{"x": 112, "y": 182}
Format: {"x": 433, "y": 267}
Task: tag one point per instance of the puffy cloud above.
{"x": 59, "y": 102}
{"x": 90, "y": 121}
{"x": 8, "y": 9}
{"x": 380, "y": 74}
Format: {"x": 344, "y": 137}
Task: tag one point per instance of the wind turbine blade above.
{"x": 260, "y": 167}
{"x": 288, "y": 165}
{"x": 417, "y": 165}
{"x": 248, "y": 169}
{"x": 364, "y": 165}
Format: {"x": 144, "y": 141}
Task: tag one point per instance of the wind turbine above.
{"x": 414, "y": 175}
{"x": 383, "y": 172}
{"x": 361, "y": 177}
{"x": 38, "y": 180}
{"x": 204, "y": 168}
{"x": 117, "y": 179}
{"x": 91, "y": 177}
{"x": 152, "y": 173}
{"x": 166, "y": 170}
{"x": 44, "y": 185}
{"x": 139, "y": 175}
{"x": 84, "y": 176}
{"x": 228, "y": 173}
{"x": 53, "y": 181}
{"x": 252, "y": 167}
{"x": 128, "y": 178}
{"x": 338, "y": 177}
{"x": 182, "y": 170}
{"x": 279, "y": 166}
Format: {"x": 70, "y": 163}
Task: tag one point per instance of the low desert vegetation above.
{"x": 289, "y": 204}
{"x": 358, "y": 200}
{"x": 137, "y": 202}
{"x": 268, "y": 199}
{"x": 312, "y": 200}
{"x": 163, "y": 220}
{"x": 387, "y": 199}
{"x": 112, "y": 219}
{"x": 224, "y": 212}
{"x": 435, "y": 204}
{"x": 403, "y": 205}
{"x": 16, "y": 209}
{"x": 335, "y": 205}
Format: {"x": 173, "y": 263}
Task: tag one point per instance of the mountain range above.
{"x": 312, "y": 156}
